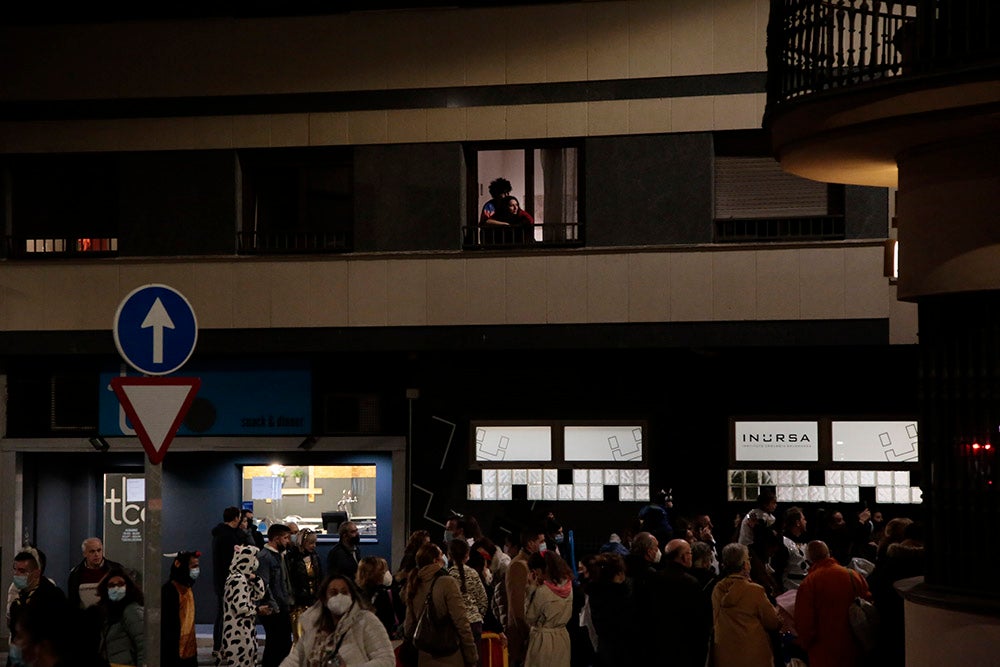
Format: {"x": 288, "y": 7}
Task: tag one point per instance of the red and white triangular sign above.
{"x": 156, "y": 406}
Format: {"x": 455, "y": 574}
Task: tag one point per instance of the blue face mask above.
{"x": 194, "y": 572}
{"x": 116, "y": 594}
{"x": 448, "y": 536}
{"x": 14, "y": 653}
{"x": 20, "y": 581}
{"x": 559, "y": 538}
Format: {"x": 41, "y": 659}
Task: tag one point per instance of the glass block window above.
{"x": 589, "y": 484}
{"x": 840, "y": 486}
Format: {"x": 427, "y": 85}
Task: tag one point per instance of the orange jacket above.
{"x": 821, "y": 614}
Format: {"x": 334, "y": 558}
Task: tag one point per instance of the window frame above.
{"x": 469, "y": 230}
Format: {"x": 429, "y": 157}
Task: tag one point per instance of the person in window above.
{"x": 520, "y": 220}
{"x": 499, "y": 188}
{"x": 494, "y": 219}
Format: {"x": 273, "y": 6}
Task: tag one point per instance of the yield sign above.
{"x": 156, "y": 406}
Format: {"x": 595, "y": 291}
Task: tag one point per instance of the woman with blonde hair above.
{"x": 380, "y": 590}
{"x": 430, "y": 581}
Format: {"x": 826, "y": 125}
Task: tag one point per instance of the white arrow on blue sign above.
{"x": 155, "y": 329}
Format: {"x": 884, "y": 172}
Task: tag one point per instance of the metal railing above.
{"x": 260, "y": 243}
{"x": 822, "y": 45}
{"x": 773, "y": 230}
{"x": 526, "y": 236}
{"x": 21, "y": 247}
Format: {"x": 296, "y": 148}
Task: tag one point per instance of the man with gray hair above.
{"x": 88, "y": 573}
{"x": 680, "y": 614}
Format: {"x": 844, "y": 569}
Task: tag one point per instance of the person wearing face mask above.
{"x": 431, "y": 579}
{"x": 34, "y": 591}
{"x": 515, "y": 589}
{"x": 245, "y": 600}
{"x": 304, "y": 574}
{"x": 121, "y": 605}
{"x": 469, "y": 583}
{"x": 341, "y": 631}
{"x": 381, "y": 590}
{"x": 549, "y": 609}
{"x": 346, "y": 554}
{"x": 685, "y": 623}
{"x": 178, "y": 642}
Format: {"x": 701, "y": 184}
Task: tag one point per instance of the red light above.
{"x": 987, "y": 446}
{"x": 975, "y": 445}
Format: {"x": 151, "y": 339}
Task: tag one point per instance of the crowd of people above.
{"x": 663, "y": 592}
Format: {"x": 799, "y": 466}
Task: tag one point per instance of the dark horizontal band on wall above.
{"x": 457, "y": 97}
{"x": 460, "y": 339}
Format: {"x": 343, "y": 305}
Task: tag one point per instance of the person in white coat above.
{"x": 340, "y": 630}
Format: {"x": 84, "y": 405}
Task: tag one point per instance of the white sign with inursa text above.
{"x": 777, "y": 441}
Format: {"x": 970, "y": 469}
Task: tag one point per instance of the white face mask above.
{"x": 657, "y": 556}
{"x": 339, "y": 604}
{"x": 387, "y": 578}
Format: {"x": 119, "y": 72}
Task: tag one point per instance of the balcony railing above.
{"x": 775, "y": 230}
{"x": 259, "y": 243}
{"x": 20, "y": 247}
{"x": 547, "y": 235}
{"x": 823, "y": 45}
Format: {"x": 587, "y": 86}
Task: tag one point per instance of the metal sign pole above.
{"x": 151, "y": 565}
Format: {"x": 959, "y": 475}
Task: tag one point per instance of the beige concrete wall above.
{"x": 378, "y": 50}
{"x": 842, "y": 281}
{"x": 945, "y": 637}
{"x": 385, "y": 50}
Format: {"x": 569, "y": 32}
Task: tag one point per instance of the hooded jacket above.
{"x": 742, "y": 617}
{"x": 548, "y": 610}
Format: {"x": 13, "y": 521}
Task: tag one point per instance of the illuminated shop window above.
{"x": 777, "y": 440}
{"x": 513, "y": 443}
{"x": 881, "y": 441}
{"x": 603, "y": 443}
{"x": 303, "y": 494}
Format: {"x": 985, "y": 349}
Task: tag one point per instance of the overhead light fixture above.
{"x": 308, "y": 443}
{"x": 99, "y": 443}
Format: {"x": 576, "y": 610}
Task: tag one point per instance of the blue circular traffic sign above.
{"x": 155, "y": 329}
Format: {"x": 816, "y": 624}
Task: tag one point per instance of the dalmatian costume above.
{"x": 243, "y": 593}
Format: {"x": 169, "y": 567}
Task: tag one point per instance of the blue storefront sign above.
{"x": 233, "y": 401}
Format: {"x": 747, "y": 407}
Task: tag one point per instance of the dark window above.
{"x": 545, "y": 180}
{"x": 297, "y": 201}
{"x": 61, "y": 205}
{"x": 755, "y": 200}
